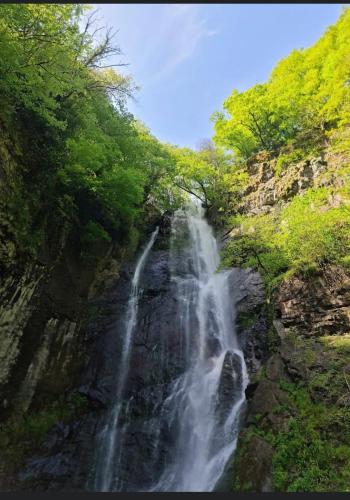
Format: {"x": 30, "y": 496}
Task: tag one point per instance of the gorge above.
{"x": 171, "y": 319}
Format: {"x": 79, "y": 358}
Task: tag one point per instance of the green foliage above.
{"x": 313, "y": 232}
{"x": 309, "y": 357}
{"x": 83, "y": 156}
{"x": 253, "y": 122}
{"x": 304, "y": 104}
{"x": 210, "y": 175}
{"x": 25, "y": 433}
{"x": 306, "y": 234}
{"x": 284, "y": 160}
{"x": 46, "y": 59}
{"x": 93, "y": 232}
{"x": 340, "y": 343}
{"x": 345, "y": 262}
{"x": 254, "y": 245}
{"x": 306, "y": 97}
{"x": 308, "y": 455}
{"x": 311, "y": 449}
{"x": 159, "y": 166}
{"x": 22, "y": 219}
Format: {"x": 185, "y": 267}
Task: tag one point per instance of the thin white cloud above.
{"x": 156, "y": 38}
{"x": 180, "y": 31}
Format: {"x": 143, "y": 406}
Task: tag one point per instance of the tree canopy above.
{"x": 308, "y": 91}
{"x": 209, "y": 174}
{"x": 83, "y": 153}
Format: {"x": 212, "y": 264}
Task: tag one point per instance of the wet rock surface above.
{"x": 66, "y": 458}
{"x": 65, "y": 357}
{"x": 247, "y": 288}
{"x": 256, "y": 467}
{"x": 230, "y": 383}
{"x": 302, "y": 356}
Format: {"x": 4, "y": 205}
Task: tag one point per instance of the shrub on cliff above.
{"x": 306, "y": 234}
{"x": 312, "y": 231}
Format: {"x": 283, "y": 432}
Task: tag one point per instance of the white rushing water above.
{"x": 206, "y": 418}
{"x": 201, "y": 407}
{"x": 111, "y": 435}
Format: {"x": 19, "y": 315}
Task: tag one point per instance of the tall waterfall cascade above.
{"x": 203, "y": 402}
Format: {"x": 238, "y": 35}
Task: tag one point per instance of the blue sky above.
{"x": 187, "y": 58}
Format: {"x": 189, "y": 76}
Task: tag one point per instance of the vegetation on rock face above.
{"x": 301, "y": 413}
{"x": 302, "y": 236}
{"x": 312, "y": 452}
{"x": 27, "y": 432}
{"x": 301, "y": 112}
{"x": 291, "y": 137}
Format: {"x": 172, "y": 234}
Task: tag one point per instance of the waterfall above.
{"x": 109, "y": 440}
{"x": 204, "y": 403}
{"x": 189, "y": 430}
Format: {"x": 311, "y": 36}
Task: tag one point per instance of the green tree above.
{"x": 305, "y": 99}
{"x": 210, "y": 174}
{"x": 84, "y": 158}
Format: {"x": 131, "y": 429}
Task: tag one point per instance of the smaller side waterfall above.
{"x": 109, "y": 440}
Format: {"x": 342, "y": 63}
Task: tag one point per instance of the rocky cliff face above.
{"x": 43, "y": 309}
{"x": 306, "y": 370}
{"x": 61, "y": 331}
{"x": 306, "y": 355}
{"x": 64, "y": 457}
{"x": 43, "y": 350}
{"x": 319, "y": 306}
{"x": 267, "y": 191}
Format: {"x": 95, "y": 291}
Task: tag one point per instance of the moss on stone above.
{"x": 340, "y": 343}
{"x": 312, "y": 445}
{"x": 20, "y": 436}
{"x": 247, "y": 319}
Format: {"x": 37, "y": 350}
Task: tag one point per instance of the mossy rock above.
{"x": 253, "y": 464}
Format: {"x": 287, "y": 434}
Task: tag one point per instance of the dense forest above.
{"x": 85, "y": 165}
{"x": 86, "y": 158}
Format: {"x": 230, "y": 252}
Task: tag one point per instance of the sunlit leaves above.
{"x": 308, "y": 90}
{"x": 85, "y": 154}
